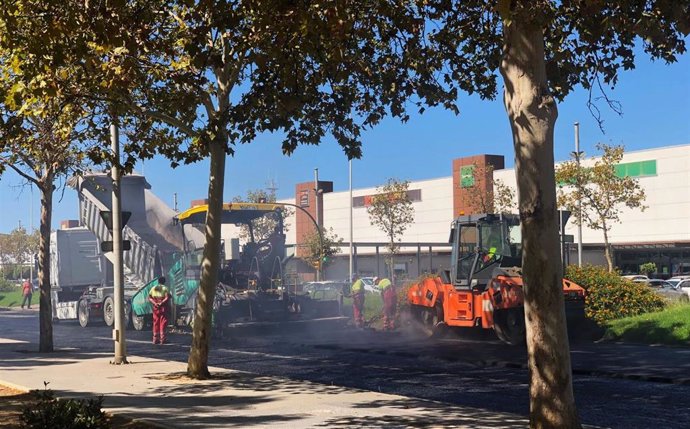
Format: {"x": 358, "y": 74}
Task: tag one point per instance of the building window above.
{"x": 304, "y": 199}
{"x": 636, "y": 169}
{"x": 467, "y": 176}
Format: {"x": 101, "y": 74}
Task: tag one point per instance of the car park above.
{"x": 369, "y": 285}
{"x": 677, "y": 279}
{"x": 326, "y": 289}
{"x": 666, "y": 289}
{"x": 637, "y": 278}
{"x": 684, "y": 286}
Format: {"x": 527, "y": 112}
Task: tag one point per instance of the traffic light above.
{"x": 326, "y": 259}
{"x": 316, "y": 264}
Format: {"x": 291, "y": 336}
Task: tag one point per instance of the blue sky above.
{"x": 656, "y": 112}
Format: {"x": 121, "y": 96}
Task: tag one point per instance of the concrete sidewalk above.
{"x": 157, "y": 391}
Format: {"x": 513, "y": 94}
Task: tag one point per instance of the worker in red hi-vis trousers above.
{"x": 159, "y": 297}
{"x": 390, "y": 301}
{"x": 357, "y": 293}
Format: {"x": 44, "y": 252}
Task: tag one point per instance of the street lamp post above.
{"x": 318, "y": 220}
{"x": 351, "y": 229}
{"x": 579, "y": 199}
{"x": 31, "y": 232}
{"x": 118, "y": 275}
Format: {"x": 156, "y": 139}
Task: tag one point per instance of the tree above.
{"x": 262, "y": 227}
{"x": 307, "y": 69}
{"x": 198, "y": 78}
{"x": 601, "y": 191}
{"x": 18, "y": 249}
{"x": 5, "y": 253}
{"x": 543, "y": 50}
{"x": 648, "y": 268}
{"x": 202, "y": 77}
{"x": 392, "y": 212}
{"x": 42, "y": 140}
{"x": 497, "y": 198}
{"x": 320, "y": 253}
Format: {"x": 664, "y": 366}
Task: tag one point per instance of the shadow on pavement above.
{"x": 31, "y": 358}
{"x": 190, "y": 410}
{"x": 423, "y": 414}
{"x": 244, "y": 381}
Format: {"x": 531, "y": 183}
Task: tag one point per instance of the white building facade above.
{"x": 659, "y": 234}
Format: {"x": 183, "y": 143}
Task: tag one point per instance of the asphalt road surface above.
{"x": 475, "y": 370}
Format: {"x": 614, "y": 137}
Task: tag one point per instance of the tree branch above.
{"x": 170, "y": 120}
{"x": 21, "y": 173}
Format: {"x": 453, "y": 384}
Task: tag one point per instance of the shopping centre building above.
{"x": 659, "y": 234}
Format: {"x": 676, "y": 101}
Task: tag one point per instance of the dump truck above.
{"x": 250, "y": 286}
{"x": 484, "y": 286}
{"x": 79, "y": 284}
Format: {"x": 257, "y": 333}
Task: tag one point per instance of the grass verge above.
{"x": 14, "y": 298}
{"x": 373, "y": 306}
{"x": 669, "y": 326}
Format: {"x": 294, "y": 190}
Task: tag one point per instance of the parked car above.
{"x": 369, "y": 285}
{"x": 326, "y": 289}
{"x": 684, "y": 285}
{"x": 637, "y": 278}
{"x": 677, "y": 279}
{"x": 666, "y": 289}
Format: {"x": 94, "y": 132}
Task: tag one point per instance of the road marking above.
{"x": 11, "y": 341}
{"x": 269, "y": 355}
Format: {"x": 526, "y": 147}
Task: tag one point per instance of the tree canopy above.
{"x": 200, "y": 77}
{"x": 601, "y": 190}
{"x": 319, "y": 253}
{"x": 498, "y": 198}
{"x": 262, "y": 227}
{"x": 17, "y": 248}
{"x": 391, "y": 210}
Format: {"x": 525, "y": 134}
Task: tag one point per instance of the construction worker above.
{"x": 390, "y": 301}
{"x": 357, "y": 293}
{"x": 159, "y": 297}
{"x": 492, "y": 244}
{"x": 27, "y": 293}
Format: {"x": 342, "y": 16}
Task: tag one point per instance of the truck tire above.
{"x": 83, "y": 313}
{"x": 128, "y": 315}
{"x": 109, "y": 311}
{"x": 138, "y": 322}
{"x": 509, "y": 326}
{"x": 191, "y": 314}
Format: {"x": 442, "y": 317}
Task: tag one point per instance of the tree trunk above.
{"x": 45, "y": 311}
{"x": 532, "y": 112}
{"x": 391, "y": 256}
{"x": 198, "y": 355}
{"x": 607, "y": 247}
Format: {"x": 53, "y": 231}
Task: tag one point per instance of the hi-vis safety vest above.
{"x": 158, "y": 291}
{"x": 384, "y": 284}
{"x": 357, "y": 287}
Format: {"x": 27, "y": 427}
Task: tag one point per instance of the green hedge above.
{"x": 8, "y": 286}
{"x": 49, "y": 412}
{"x": 609, "y": 296}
